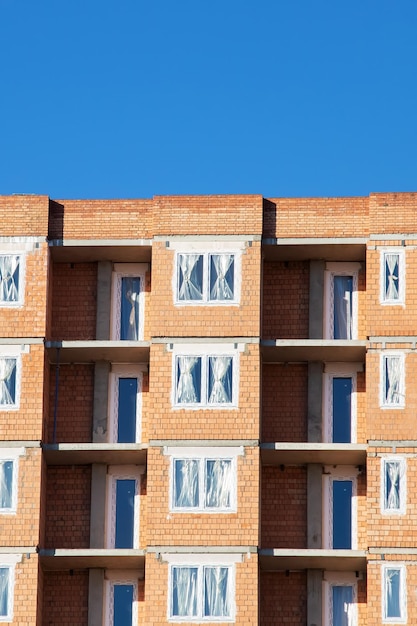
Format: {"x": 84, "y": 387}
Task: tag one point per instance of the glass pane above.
{"x": 129, "y": 314}
{"x": 392, "y": 485}
{"x": 392, "y": 284}
{"x": 342, "y": 410}
{"x": 7, "y": 381}
{"x": 343, "y": 289}
{"x": 9, "y": 278}
{"x": 342, "y": 514}
{"x": 216, "y": 596}
{"x": 222, "y": 276}
{"x": 126, "y": 410}
{"x": 393, "y": 372}
{"x": 6, "y": 484}
{"x": 218, "y": 483}
{"x": 220, "y": 379}
{"x": 125, "y": 499}
{"x": 342, "y": 600}
{"x": 123, "y": 605}
{"x": 190, "y": 277}
{"x": 184, "y": 591}
{"x": 393, "y": 584}
{"x": 186, "y": 486}
{"x": 189, "y": 380}
{"x": 4, "y": 590}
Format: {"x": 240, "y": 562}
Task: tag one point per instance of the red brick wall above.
{"x": 285, "y": 300}
{"x": 74, "y": 301}
{"x": 24, "y": 215}
{"x": 284, "y": 402}
{"x": 284, "y": 598}
{"x": 65, "y": 598}
{"x": 75, "y": 403}
{"x": 68, "y": 494}
{"x": 284, "y": 507}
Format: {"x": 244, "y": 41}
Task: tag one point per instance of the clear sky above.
{"x": 134, "y": 98}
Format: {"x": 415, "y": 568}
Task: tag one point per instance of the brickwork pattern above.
{"x": 26, "y": 611}
{"x": 284, "y": 598}
{"x": 65, "y": 598}
{"x": 170, "y": 320}
{"x": 156, "y": 606}
{"x": 211, "y": 529}
{"x": 68, "y": 495}
{"x": 284, "y": 402}
{"x": 285, "y": 291}
{"x": 284, "y": 507}
{"x": 74, "y": 301}
{"x": 75, "y": 403}
{"x": 24, "y": 215}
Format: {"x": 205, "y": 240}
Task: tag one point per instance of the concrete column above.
{"x": 314, "y": 505}
{"x": 101, "y": 395}
{"x": 95, "y": 597}
{"x": 98, "y": 505}
{"x": 314, "y": 586}
{"x": 104, "y": 276}
{"x": 316, "y": 298}
{"x": 314, "y": 402}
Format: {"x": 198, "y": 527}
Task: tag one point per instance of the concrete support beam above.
{"x": 98, "y": 505}
{"x": 314, "y": 402}
{"x": 95, "y": 597}
{"x": 314, "y": 506}
{"x": 100, "y": 408}
{"x": 314, "y": 586}
{"x": 316, "y": 299}
{"x": 104, "y": 275}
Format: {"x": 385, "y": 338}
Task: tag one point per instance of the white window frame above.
{"x": 122, "y": 472}
{"x": 401, "y": 277}
{"x": 127, "y": 270}
{"x": 124, "y": 371}
{"x": 339, "y": 370}
{"x": 332, "y": 474}
{"x": 200, "y": 561}
{"x": 22, "y": 273}
{"x": 402, "y": 462}
{"x": 204, "y": 351}
{"x": 13, "y": 352}
{"x": 384, "y": 404}
{"x": 9, "y": 562}
{"x": 339, "y": 269}
{"x": 112, "y": 579}
{"x": 338, "y": 579}
{"x": 12, "y": 455}
{"x": 206, "y": 250}
{"x": 392, "y": 565}
{"x": 203, "y": 454}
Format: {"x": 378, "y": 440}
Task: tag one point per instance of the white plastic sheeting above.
{"x": 6, "y": 484}
{"x": 186, "y": 483}
{"x": 190, "y": 279}
{"x": 393, "y": 377}
{"x": 221, "y": 277}
{"x": 219, "y": 483}
{"x": 343, "y": 307}
{"x": 203, "y": 483}
{"x": 184, "y": 591}
{"x": 200, "y": 592}
{"x": 130, "y": 309}
{"x": 220, "y": 379}
{"x": 7, "y": 390}
{"x": 392, "y": 494}
{"x": 343, "y": 607}
{"x": 189, "y": 380}
{"x": 9, "y": 278}
{"x": 393, "y": 593}
{"x": 4, "y": 591}
{"x": 391, "y": 283}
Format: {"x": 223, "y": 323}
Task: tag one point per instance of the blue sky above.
{"x": 134, "y": 98}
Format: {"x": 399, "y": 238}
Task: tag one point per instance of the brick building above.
{"x": 207, "y": 411}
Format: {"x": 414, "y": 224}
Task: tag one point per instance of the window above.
{"x": 339, "y": 524}
{"x": 7, "y": 577}
{"x": 128, "y": 302}
{"x": 392, "y": 383}
{"x": 201, "y": 587}
{"x": 392, "y": 276}
{"x": 125, "y": 403}
{"x": 204, "y": 479}
{"x": 11, "y": 283}
{"x": 394, "y": 598}
{"x": 341, "y": 288}
{"x": 9, "y": 379}
{"x": 393, "y": 484}
{"x": 339, "y": 405}
{"x": 123, "y": 507}
{"x": 340, "y": 599}
{"x": 209, "y": 379}
{"x": 121, "y": 599}
{"x": 205, "y": 277}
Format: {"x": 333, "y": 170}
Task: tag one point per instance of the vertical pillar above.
{"x": 95, "y": 597}
{"x": 98, "y": 505}
{"x": 316, "y": 299}
{"x": 314, "y": 586}
{"x": 100, "y": 408}
{"x": 104, "y": 275}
